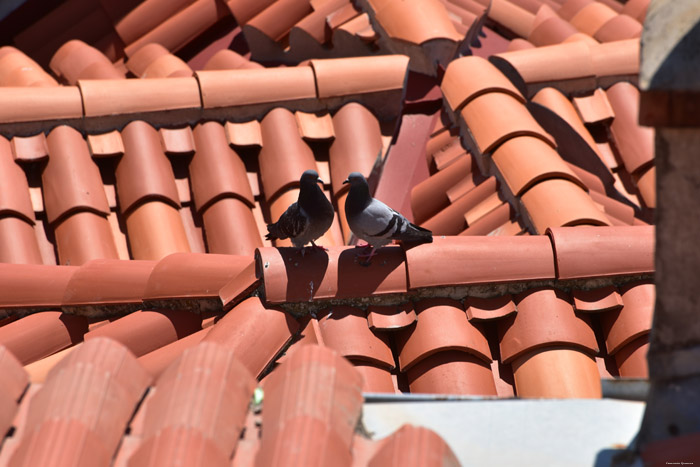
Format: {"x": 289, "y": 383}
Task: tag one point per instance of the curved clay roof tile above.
{"x": 416, "y": 22}
{"x": 619, "y": 28}
{"x": 358, "y": 75}
{"x": 14, "y": 189}
{"x": 75, "y": 59}
{"x": 592, "y": 17}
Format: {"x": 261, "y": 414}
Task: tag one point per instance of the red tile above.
{"x": 600, "y": 252}
{"x": 67, "y": 440}
{"x": 177, "y": 141}
{"x": 345, "y": 330}
{"x": 557, "y": 202}
{"x": 417, "y": 23}
{"x": 496, "y": 117}
{"x": 618, "y": 58}
{"x": 244, "y": 11}
{"x": 276, "y": 20}
{"x": 281, "y": 136}
{"x": 545, "y": 318}
{"x": 637, "y": 9}
{"x": 646, "y": 184}
{"x": 632, "y": 358}
{"x": 76, "y": 60}
{"x": 390, "y": 318}
{"x": 592, "y": 17}
{"x": 17, "y": 69}
{"x": 107, "y": 283}
{"x": 239, "y": 287}
{"x": 551, "y": 30}
{"x": 157, "y": 361}
{"x": 635, "y": 143}
{"x": 253, "y": 86}
{"x": 456, "y": 333}
{"x": 116, "y": 97}
{"x": 15, "y": 378}
{"x": 619, "y": 28}
{"x": 337, "y": 273}
{"x": 227, "y": 59}
{"x": 614, "y": 208}
{"x": 491, "y": 260}
{"x": 71, "y": 181}
{"x": 179, "y": 29}
{"x": 482, "y": 309}
{"x": 178, "y": 445}
{"x": 359, "y": 75}
{"x": 451, "y": 220}
{"x": 412, "y": 446}
{"x": 145, "y": 331}
{"x": 452, "y": 372}
{"x": 167, "y": 66}
{"x": 357, "y": 146}
{"x": 490, "y": 223}
{"x": 96, "y": 385}
{"x": 143, "y": 57}
{"x": 217, "y": 388}
{"x": 30, "y": 148}
{"x": 597, "y": 300}
{"x": 595, "y": 108}
{"x": 526, "y": 161}
{"x": 106, "y": 144}
{"x": 254, "y": 333}
{"x": 39, "y": 335}
{"x": 569, "y": 8}
{"x": 172, "y": 280}
{"x": 22, "y": 291}
{"x": 326, "y": 391}
{"x": 511, "y": 16}
{"x": 632, "y": 321}
{"x": 375, "y": 378}
{"x": 144, "y": 17}
{"x": 243, "y": 134}
{"x": 431, "y": 195}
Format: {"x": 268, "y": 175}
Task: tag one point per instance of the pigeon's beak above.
{"x": 318, "y": 180}
{"x": 346, "y": 181}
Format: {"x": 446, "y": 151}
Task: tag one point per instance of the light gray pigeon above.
{"x": 307, "y": 219}
{"x": 375, "y": 222}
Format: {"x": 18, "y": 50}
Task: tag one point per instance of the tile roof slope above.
{"x": 288, "y": 312}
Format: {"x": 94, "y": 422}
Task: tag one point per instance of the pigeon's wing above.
{"x": 379, "y": 221}
{"x": 291, "y": 224}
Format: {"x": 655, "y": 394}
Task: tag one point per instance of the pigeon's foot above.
{"x": 368, "y": 256}
{"x": 318, "y": 247}
{"x": 363, "y": 245}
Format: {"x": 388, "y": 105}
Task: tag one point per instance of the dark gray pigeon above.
{"x": 375, "y": 222}
{"x": 307, "y": 219}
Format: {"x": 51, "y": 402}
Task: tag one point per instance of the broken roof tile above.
{"x": 431, "y": 195}
{"x": 603, "y": 251}
{"x": 390, "y": 318}
{"x": 597, "y": 300}
{"x": 345, "y": 330}
{"x": 478, "y": 260}
{"x": 482, "y": 309}
{"x": 594, "y": 108}
{"x": 451, "y": 220}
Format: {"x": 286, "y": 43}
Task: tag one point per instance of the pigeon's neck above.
{"x": 310, "y": 196}
{"x": 358, "y": 199}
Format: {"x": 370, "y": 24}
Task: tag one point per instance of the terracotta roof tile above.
{"x": 345, "y": 330}
{"x": 423, "y": 21}
{"x": 452, "y": 372}
{"x": 390, "y": 318}
{"x": 586, "y": 252}
{"x": 172, "y": 285}
{"x": 431, "y": 195}
{"x": 637, "y": 9}
{"x": 216, "y": 386}
{"x": 106, "y": 144}
{"x": 592, "y": 17}
{"x": 156, "y": 361}
{"x": 491, "y": 223}
{"x": 622, "y": 326}
{"x": 30, "y": 148}
{"x": 254, "y": 332}
{"x": 595, "y": 108}
{"x": 512, "y": 17}
{"x": 491, "y": 259}
{"x": 597, "y": 300}
{"x": 526, "y": 161}
{"x": 483, "y": 309}
{"x": 469, "y": 77}
{"x": 15, "y": 378}
{"x": 76, "y": 60}
{"x": 414, "y": 446}
{"x": 226, "y": 59}
{"x": 457, "y": 333}
{"x": 646, "y": 184}
{"x": 619, "y": 28}
{"x": 365, "y": 75}
{"x": 178, "y": 444}
{"x": 289, "y": 277}
{"x": 634, "y": 142}
{"x": 374, "y": 379}
{"x": 451, "y": 220}
{"x": 631, "y": 360}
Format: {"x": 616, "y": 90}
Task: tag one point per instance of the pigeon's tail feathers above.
{"x": 273, "y": 232}
{"x": 415, "y": 235}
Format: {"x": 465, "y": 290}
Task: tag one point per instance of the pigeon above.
{"x": 307, "y": 219}
{"x": 375, "y": 222}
